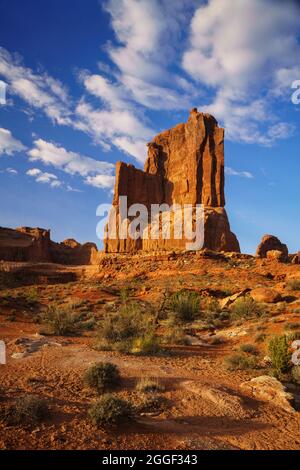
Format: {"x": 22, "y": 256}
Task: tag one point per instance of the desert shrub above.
{"x": 149, "y": 402}
{"x": 61, "y": 320}
{"x": 176, "y": 335}
{"x": 32, "y": 296}
{"x": 147, "y": 344}
{"x": 27, "y": 410}
{"x": 249, "y": 349}
{"x": 131, "y": 327}
{"x": 292, "y": 326}
{"x": 108, "y": 410}
{"x": 215, "y": 340}
{"x": 149, "y": 385}
{"x": 260, "y": 338}
{"x": 295, "y": 335}
{"x": 293, "y": 285}
{"x": 246, "y": 307}
{"x": 240, "y": 362}
{"x": 185, "y": 305}
{"x": 102, "y": 376}
{"x": 295, "y": 373}
{"x": 279, "y": 354}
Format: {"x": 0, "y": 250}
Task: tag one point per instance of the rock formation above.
{"x": 185, "y": 165}
{"x": 34, "y": 245}
{"x": 271, "y": 243}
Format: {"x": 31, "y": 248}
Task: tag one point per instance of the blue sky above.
{"x": 90, "y": 83}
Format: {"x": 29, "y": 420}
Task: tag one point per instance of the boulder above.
{"x": 185, "y": 165}
{"x": 266, "y": 295}
{"x": 271, "y": 243}
{"x": 270, "y": 389}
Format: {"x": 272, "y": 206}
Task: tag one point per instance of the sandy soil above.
{"x": 204, "y": 406}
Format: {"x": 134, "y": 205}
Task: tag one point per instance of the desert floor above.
{"x": 203, "y": 405}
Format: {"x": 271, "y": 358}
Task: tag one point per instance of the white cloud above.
{"x": 11, "y": 171}
{"x": 116, "y": 126}
{"x": 39, "y": 91}
{"x": 71, "y": 163}
{"x": 44, "y": 177}
{"x": 244, "y": 174}
{"x": 101, "y": 181}
{"x": 141, "y": 54}
{"x": 8, "y": 144}
{"x": 247, "y": 52}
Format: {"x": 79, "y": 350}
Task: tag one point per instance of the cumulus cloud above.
{"x": 243, "y": 174}
{"x": 140, "y": 79}
{"x": 71, "y": 163}
{"x": 44, "y": 177}
{"x": 39, "y": 91}
{"x": 247, "y": 52}
{"x": 8, "y": 144}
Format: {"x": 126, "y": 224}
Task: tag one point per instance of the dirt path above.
{"x": 206, "y": 408}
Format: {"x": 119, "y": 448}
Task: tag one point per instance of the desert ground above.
{"x": 200, "y": 403}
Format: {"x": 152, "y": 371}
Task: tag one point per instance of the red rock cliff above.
{"x": 185, "y": 165}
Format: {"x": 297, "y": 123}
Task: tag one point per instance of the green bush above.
{"x": 61, "y": 321}
{"x": 130, "y": 328}
{"x": 240, "y": 362}
{"x": 148, "y": 344}
{"x": 102, "y": 376}
{"x": 246, "y": 307}
{"x": 27, "y": 410}
{"x": 293, "y": 285}
{"x": 176, "y": 336}
{"x": 109, "y": 410}
{"x": 185, "y": 305}
{"x": 279, "y": 354}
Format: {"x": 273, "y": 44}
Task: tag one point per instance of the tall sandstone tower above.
{"x": 185, "y": 165}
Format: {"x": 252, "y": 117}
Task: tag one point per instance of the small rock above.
{"x": 19, "y": 355}
{"x": 270, "y": 389}
{"x": 263, "y": 294}
{"x": 232, "y": 298}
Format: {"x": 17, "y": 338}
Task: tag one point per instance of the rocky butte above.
{"x": 185, "y": 165}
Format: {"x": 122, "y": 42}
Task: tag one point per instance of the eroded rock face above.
{"x": 271, "y": 243}
{"x": 26, "y": 244}
{"x": 185, "y": 165}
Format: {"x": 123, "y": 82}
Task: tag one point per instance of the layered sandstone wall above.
{"x": 185, "y": 165}
{"x": 26, "y": 244}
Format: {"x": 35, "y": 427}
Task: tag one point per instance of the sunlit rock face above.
{"x": 185, "y": 165}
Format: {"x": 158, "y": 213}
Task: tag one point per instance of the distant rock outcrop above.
{"x": 26, "y": 244}
{"x": 272, "y": 243}
{"x": 185, "y": 165}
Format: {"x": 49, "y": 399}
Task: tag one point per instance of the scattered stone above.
{"x": 232, "y": 298}
{"x": 270, "y": 389}
{"x": 265, "y": 295}
{"x": 19, "y": 355}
